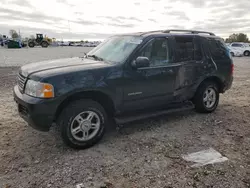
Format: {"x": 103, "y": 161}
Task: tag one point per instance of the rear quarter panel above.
{"x": 222, "y": 63}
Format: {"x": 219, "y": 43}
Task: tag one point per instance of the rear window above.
{"x": 218, "y": 49}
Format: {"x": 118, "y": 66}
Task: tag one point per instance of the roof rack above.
{"x": 190, "y": 31}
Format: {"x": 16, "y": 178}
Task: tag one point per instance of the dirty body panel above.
{"x": 192, "y": 70}
{"x": 176, "y": 66}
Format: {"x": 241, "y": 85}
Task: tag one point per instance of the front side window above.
{"x": 158, "y": 52}
{"x": 116, "y": 49}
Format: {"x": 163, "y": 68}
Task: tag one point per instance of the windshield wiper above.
{"x": 95, "y": 57}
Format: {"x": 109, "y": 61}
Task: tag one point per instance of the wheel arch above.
{"x": 246, "y": 51}
{"x": 45, "y": 41}
{"x": 98, "y": 96}
{"x": 215, "y": 80}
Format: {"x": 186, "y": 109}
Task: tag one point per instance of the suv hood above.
{"x": 75, "y": 63}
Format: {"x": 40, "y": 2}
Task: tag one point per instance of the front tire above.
{"x": 206, "y": 98}
{"x": 246, "y": 53}
{"x": 44, "y": 44}
{"x": 82, "y": 123}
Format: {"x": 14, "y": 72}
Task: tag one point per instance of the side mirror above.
{"x": 140, "y": 62}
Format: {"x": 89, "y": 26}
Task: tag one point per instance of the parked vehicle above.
{"x": 87, "y": 44}
{"x": 62, "y": 43}
{"x": 14, "y": 44}
{"x": 4, "y": 40}
{"x": 242, "y": 46}
{"x": 126, "y": 78}
{"x": 237, "y": 52}
{"x": 38, "y": 41}
{"x": 79, "y": 44}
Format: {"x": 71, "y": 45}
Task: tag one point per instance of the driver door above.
{"x": 153, "y": 85}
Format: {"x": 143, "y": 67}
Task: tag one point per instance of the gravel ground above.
{"x": 141, "y": 154}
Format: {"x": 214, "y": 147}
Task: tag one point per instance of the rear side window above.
{"x": 218, "y": 49}
{"x": 187, "y": 49}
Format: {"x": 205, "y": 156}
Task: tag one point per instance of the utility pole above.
{"x": 19, "y": 34}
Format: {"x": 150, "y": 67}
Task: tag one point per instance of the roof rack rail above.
{"x": 190, "y": 31}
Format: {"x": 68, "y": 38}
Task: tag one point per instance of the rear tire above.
{"x": 206, "y": 98}
{"x": 77, "y": 129}
{"x": 246, "y": 53}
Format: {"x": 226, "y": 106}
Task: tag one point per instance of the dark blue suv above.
{"x": 125, "y": 78}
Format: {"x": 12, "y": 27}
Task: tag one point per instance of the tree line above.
{"x": 237, "y": 37}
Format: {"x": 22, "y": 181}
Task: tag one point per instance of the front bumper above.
{"x": 38, "y": 113}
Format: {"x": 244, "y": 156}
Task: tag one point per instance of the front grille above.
{"x": 21, "y": 82}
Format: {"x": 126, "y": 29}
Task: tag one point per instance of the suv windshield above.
{"x": 115, "y": 49}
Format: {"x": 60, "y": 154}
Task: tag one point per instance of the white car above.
{"x": 240, "y": 46}
{"x": 62, "y": 43}
{"x": 236, "y": 52}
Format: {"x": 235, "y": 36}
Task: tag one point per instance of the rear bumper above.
{"x": 38, "y": 113}
{"x": 228, "y": 85}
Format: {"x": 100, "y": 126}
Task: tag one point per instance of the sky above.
{"x": 98, "y": 19}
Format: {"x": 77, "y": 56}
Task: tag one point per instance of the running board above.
{"x": 126, "y": 119}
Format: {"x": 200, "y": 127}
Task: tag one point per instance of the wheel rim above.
{"x": 85, "y": 126}
{"x": 209, "y": 97}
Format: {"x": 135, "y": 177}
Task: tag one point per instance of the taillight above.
{"x": 232, "y": 69}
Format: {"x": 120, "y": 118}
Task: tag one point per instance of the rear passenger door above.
{"x": 188, "y": 53}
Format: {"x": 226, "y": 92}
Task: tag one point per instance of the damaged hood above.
{"x": 62, "y": 65}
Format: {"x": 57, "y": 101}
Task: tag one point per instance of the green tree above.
{"x": 237, "y": 37}
{"x": 13, "y": 34}
{"x": 242, "y": 37}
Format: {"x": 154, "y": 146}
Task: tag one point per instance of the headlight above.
{"x": 38, "y": 89}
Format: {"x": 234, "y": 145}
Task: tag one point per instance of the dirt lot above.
{"x": 141, "y": 154}
{"x": 17, "y": 57}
